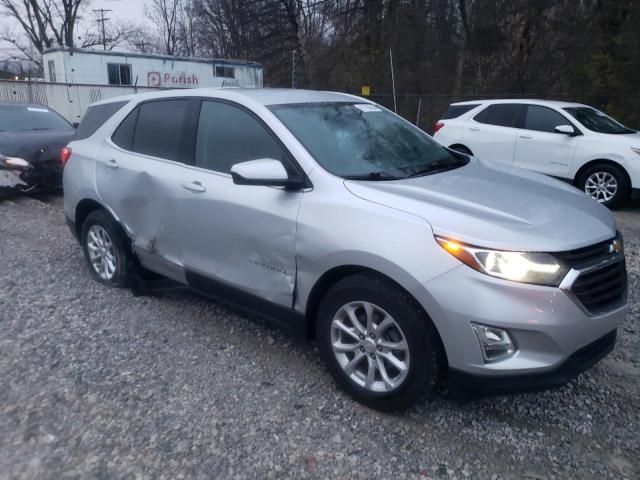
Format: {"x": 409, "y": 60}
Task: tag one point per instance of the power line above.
{"x": 101, "y": 20}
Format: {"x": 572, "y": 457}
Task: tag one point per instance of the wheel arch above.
{"x": 599, "y": 161}
{"x": 333, "y": 276}
{"x": 82, "y": 211}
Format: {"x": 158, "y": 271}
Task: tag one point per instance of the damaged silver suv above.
{"x": 415, "y": 267}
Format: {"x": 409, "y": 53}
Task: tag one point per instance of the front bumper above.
{"x": 464, "y": 385}
{"x": 549, "y": 329}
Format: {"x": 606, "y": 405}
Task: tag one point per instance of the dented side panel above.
{"x": 143, "y": 192}
{"x": 242, "y": 236}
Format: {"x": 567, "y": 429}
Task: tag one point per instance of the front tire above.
{"x": 606, "y": 184}
{"x": 105, "y": 248}
{"x": 377, "y": 343}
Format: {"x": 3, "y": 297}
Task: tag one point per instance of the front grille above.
{"x": 586, "y": 255}
{"x": 602, "y": 289}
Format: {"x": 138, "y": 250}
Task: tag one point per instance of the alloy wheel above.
{"x": 370, "y": 346}
{"x": 601, "y": 186}
{"x": 101, "y": 252}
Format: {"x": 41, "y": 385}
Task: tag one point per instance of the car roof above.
{"x": 264, "y": 96}
{"x": 22, "y": 104}
{"x": 528, "y": 101}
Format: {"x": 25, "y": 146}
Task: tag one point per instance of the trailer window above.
{"x": 225, "y": 72}
{"x": 119, "y": 73}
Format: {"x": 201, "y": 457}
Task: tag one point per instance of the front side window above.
{"x": 119, "y": 73}
{"x": 228, "y": 135}
{"x": 500, "y": 114}
{"x": 159, "y": 128}
{"x": 543, "y": 119}
{"x": 364, "y": 141}
{"x": 596, "y": 121}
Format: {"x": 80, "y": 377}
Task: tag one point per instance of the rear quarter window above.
{"x": 454, "y": 111}
{"x": 95, "y": 117}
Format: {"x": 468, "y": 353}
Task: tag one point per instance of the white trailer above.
{"x": 99, "y": 67}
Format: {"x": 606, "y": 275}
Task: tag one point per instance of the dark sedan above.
{"x": 31, "y": 138}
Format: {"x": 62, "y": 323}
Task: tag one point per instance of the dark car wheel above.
{"x": 606, "y": 184}
{"x": 105, "y": 248}
{"x": 377, "y": 343}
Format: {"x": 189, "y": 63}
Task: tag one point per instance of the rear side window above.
{"x": 543, "y": 119}
{"x": 159, "y": 127}
{"x": 95, "y": 117}
{"x": 501, "y": 114}
{"x": 123, "y": 136}
{"x": 454, "y": 111}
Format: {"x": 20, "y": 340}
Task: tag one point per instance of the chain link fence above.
{"x": 69, "y": 100}
{"x": 424, "y": 110}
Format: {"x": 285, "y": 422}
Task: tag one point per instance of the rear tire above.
{"x": 606, "y": 184}
{"x": 389, "y": 356}
{"x": 106, "y": 249}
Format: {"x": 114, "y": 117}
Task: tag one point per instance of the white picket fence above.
{"x": 69, "y": 100}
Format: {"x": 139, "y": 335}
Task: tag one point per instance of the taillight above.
{"x": 65, "y": 154}
{"x": 438, "y": 126}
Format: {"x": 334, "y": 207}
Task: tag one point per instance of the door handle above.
{"x": 112, "y": 164}
{"x": 194, "y": 186}
{"x": 528, "y": 137}
{"x": 474, "y": 129}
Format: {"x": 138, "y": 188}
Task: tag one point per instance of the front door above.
{"x": 237, "y": 236}
{"x": 540, "y": 148}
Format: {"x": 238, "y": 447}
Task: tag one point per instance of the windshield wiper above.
{"x": 372, "y": 176}
{"x": 439, "y": 166}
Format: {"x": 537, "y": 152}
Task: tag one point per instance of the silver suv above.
{"x": 415, "y": 267}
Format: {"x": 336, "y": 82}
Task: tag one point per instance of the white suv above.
{"x": 565, "y": 140}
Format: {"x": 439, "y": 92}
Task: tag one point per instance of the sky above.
{"x": 124, "y": 10}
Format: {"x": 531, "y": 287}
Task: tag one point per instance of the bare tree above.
{"x": 44, "y": 23}
{"x": 165, "y": 14}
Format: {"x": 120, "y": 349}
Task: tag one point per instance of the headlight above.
{"x": 13, "y": 163}
{"x": 533, "y": 267}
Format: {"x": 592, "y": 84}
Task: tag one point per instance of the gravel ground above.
{"x": 96, "y": 383}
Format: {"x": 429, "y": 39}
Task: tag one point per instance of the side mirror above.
{"x": 265, "y": 172}
{"x": 566, "y": 129}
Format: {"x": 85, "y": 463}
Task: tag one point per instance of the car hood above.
{"x": 493, "y": 205}
{"x": 35, "y": 146}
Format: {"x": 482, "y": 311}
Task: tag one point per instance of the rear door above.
{"x": 492, "y": 133}
{"x": 137, "y": 176}
{"x": 540, "y": 148}
{"x": 238, "y": 236}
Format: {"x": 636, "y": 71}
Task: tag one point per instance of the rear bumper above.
{"x": 466, "y": 385}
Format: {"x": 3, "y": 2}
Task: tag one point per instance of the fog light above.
{"x": 495, "y": 343}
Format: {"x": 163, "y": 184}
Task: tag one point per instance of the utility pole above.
{"x": 101, "y": 20}
{"x": 293, "y": 68}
